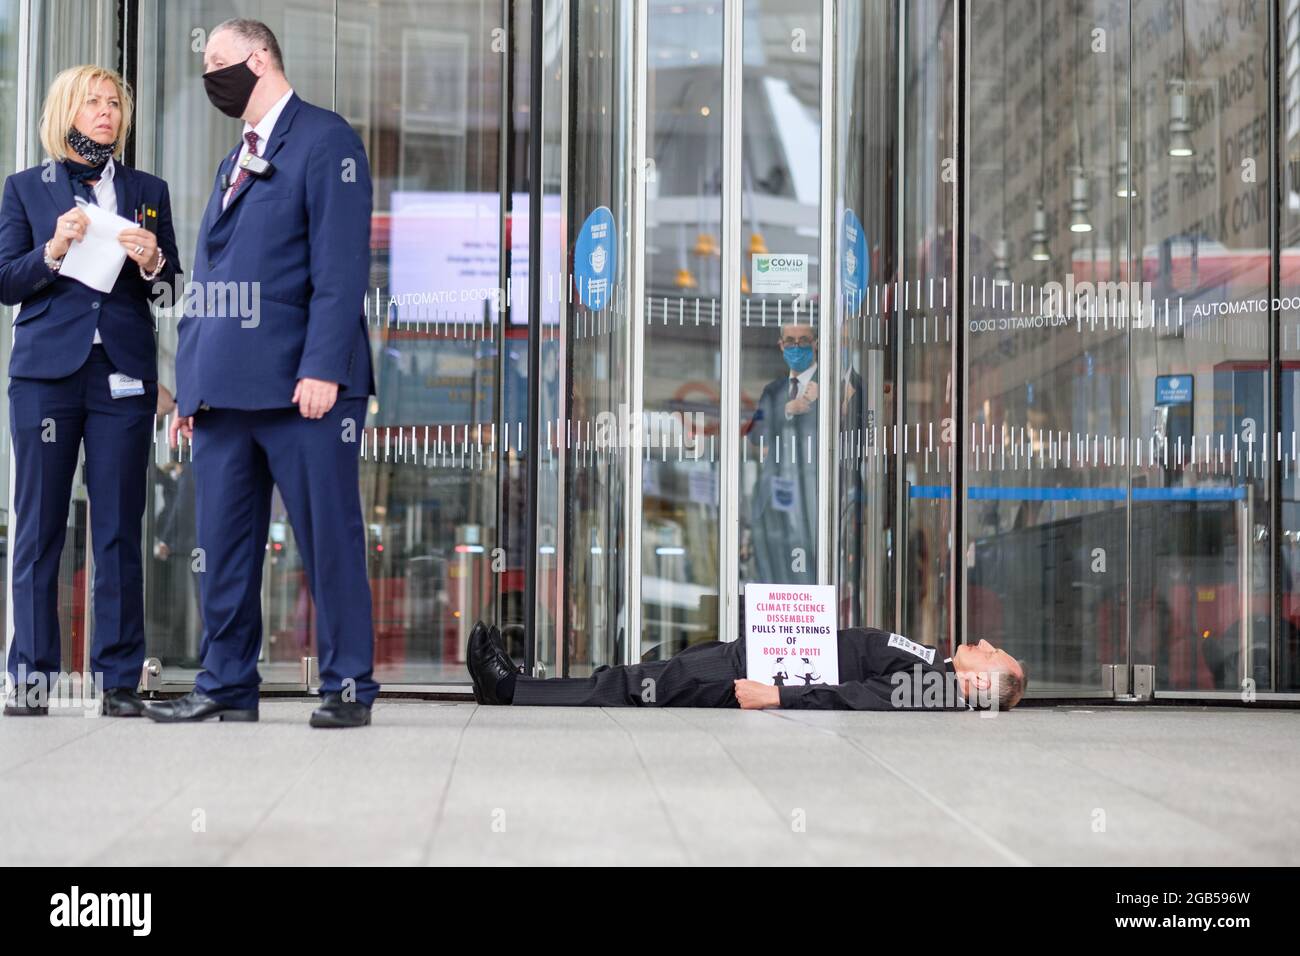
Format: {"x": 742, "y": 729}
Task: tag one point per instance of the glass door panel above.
{"x": 424, "y": 93}
{"x": 683, "y": 289}
{"x": 1202, "y": 380}
{"x": 1047, "y": 424}
{"x": 588, "y": 354}
{"x": 1287, "y": 281}
{"x": 925, "y": 338}
{"x": 866, "y": 178}
{"x": 551, "y": 132}
{"x": 783, "y": 388}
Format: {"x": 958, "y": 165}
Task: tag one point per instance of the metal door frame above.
{"x": 731, "y": 344}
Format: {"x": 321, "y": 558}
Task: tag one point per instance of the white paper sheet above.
{"x": 97, "y": 259}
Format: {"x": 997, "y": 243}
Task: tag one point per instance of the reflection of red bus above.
{"x": 1197, "y": 625}
{"x": 423, "y": 614}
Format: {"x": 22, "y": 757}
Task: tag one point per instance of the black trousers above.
{"x": 700, "y": 676}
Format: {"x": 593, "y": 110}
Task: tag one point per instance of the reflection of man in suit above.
{"x": 277, "y": 399}
{"x": 783, "y": 436}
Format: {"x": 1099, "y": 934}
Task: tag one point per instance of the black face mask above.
{"x": 230, "y": 87}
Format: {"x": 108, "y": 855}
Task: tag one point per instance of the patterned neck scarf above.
{"x": 94, "y": 154}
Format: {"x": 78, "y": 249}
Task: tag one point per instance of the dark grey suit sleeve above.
{"x": 874, "y": 693}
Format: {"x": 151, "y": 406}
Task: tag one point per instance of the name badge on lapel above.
{"x": 124, "y": 386}
{"x": 257, "y": 166}
{"x": 920, "y": 650}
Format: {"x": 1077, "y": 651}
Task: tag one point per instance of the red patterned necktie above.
{"x": 251, "y": 139}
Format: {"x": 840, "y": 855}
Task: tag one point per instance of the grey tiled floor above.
{"x": 437, "y": 782}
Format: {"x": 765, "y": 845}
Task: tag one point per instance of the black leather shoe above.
{"x": 488, "y": 666}
{"x": 195, "y": 705}
{"x": 477, "y": 637}
{"x": 334, "y": 711}
{"x": 122, "y": 702}
{"x": 26, "y": 702}
{"x": 502, "y": 644}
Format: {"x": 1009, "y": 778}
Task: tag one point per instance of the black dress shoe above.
{"x": 122, "y": 702}
{"x": 494, "y": 673}
{"x": 334, "y": 711}
{"x": 502, "y": 644}
{"x": 27, "y": 702}
{"x": 196, "y": 705}
{"x": 477, "y": 637}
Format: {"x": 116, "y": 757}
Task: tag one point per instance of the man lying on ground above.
{"x": 878, "y": 671}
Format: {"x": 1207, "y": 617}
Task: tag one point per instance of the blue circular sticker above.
{"x": 595, "y": 259}
{"x": 855, "y": 268}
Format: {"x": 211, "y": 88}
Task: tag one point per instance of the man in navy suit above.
{"x": 275, "y": 394}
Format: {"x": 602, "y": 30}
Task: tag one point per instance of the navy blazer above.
{"x": 302, "y": 235}
{"x": 55, "y": 327}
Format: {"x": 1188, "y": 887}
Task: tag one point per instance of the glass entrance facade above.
{"x": 985, "y": 313}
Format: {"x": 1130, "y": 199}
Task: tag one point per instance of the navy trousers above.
{"x": 49, "y": 420}
{"x": 239, "y": 457}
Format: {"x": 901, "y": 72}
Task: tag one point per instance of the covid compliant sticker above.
{"x": 779, "y": 273}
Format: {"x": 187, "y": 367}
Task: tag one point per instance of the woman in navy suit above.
{"x": 83, "y": 369}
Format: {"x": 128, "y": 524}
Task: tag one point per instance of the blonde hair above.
{"x": 66, "y": 96}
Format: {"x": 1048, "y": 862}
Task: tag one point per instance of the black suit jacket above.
{"x": 881, "y": 671}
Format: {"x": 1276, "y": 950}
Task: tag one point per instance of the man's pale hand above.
{"x": 755, "y": 696}
{"x": 315, "y": 397}
{"x": 181, "y": 425}
{"x": 802, "y": 404}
